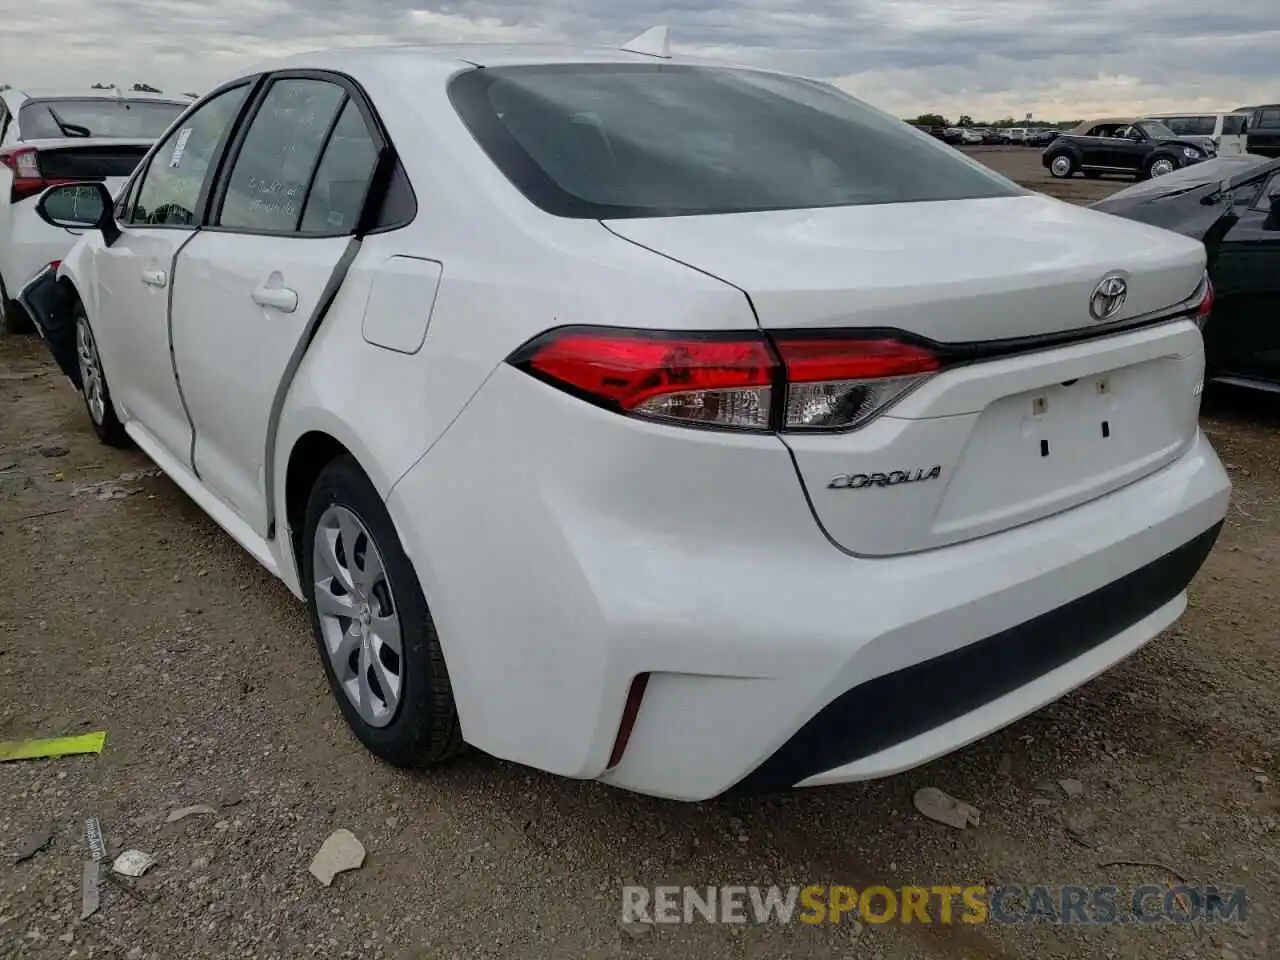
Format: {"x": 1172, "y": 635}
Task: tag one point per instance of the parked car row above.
{"x": 729, "y": 464}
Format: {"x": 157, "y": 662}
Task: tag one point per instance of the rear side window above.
{"x": 1269, "y": 118}
{"x": 1193, "y": 126}
{"x": 341, "y": 180}
{"x": 79, "y": 118}
{"x": 268, "y": 184}
{"x": 641, "y": 140}
{"x": 1234, "y": 126}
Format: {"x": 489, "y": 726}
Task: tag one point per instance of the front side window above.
{"x": 641, "y": 140}
{"x": 1269, "y": 118}
{"x": 268, "y": 184}
{"x": 173, "y": 179}
{"x": 75, "y": 118}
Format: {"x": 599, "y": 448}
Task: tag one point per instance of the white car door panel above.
{"x": 158, "y": 218}
{"x": 240, "y": 305}
{"x": 133, "y": 332}
{"x": 248, "y": 287}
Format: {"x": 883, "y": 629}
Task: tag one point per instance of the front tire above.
{"x": 1062, "y": 166}
{"x": 93, "y": 384}
{"x": 1161, "y": 166}
{"x": 371, "y": 624}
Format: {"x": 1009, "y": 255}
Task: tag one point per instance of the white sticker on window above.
{"x": 180, "y": 147}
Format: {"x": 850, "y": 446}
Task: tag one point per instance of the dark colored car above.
{"x": 1137, "y": 148}
{"x": 938, "y": 132}
{"x": 1231, "y": 204}
{"x": 1263, "y": 131}
{"x": 1042, "y": 137}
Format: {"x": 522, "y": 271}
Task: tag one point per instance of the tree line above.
{"x": 938, "y": 120}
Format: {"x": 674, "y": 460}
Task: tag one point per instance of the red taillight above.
{"x": 839, "y": 383}
{"x": 714, "y": 380}
{"x": 730, "y": 381}
{"x": 1205, "y": 306}
{"x": 27, "y": 179}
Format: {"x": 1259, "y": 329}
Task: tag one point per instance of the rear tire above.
{"x": 93, "y": 384}
{"x": 365, "y": 600}
{"x": 1062, "y": 166}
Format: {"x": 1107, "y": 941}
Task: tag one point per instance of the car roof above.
{"x": 82, "y": 93}
{"x": 459, "y": 55}
{"x": 1094, "y": 123}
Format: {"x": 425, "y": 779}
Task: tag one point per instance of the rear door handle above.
{"x": 278, "y": 298}
{"x": 154, "y": 278}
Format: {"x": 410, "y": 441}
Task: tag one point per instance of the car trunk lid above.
{"x": 988, "y": 443}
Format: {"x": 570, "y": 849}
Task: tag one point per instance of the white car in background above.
{"x": 692, "y": 428}
{"x": 55, "y": 137}
{"x": 1227, "y": 131}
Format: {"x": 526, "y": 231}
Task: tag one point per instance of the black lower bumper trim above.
{"x": 890, "y": 709}
{"x": 50, "y": 305}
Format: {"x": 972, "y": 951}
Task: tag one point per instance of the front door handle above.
{"x": 278, "y": 298}
{"x": 154, "y": 278}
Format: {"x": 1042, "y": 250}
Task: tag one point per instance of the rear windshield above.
{"x": 75, "y": 118}
{"x": 642, "y": 140}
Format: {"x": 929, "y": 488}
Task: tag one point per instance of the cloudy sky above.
{"x": 1058, "y": 59}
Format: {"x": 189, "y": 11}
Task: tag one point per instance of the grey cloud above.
{"x": 904, "y": 55}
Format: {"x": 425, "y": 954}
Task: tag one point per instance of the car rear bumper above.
{"x": 562, "y": 564}
{"x": 31, "y": 245}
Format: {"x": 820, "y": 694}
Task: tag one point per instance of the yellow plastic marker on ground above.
{"x": 52, "y": 747}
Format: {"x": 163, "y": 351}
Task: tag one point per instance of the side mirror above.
{"x": 80, "y": 206}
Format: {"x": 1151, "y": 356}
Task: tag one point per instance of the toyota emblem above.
{"x": 1108, "y": 297}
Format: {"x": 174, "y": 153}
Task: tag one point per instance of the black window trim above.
{"x": 251, "y": 81}
{"x": 356, "y": 94}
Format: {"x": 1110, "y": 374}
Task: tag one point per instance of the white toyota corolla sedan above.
{"x": 692, "y": 428}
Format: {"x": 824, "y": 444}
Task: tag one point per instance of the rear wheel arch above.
{"x": 311, "y": 453}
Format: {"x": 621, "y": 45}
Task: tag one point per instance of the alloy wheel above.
{"x": 90, "y": 372}
{"x": 359, "y": 619}
{"x": 1162, "y": 167}
{"x": 1061, "y": 166}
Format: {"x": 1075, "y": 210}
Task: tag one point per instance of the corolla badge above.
{"x": 860, "y": 481}
{"x": 1108, "y": 297}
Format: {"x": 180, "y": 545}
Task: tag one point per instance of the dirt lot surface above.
{"x": 122, "y": 608}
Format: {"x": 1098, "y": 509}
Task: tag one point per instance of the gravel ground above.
{"x": 123, "y": 608}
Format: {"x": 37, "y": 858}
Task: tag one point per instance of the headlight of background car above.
{"x": 1191, "y": 153}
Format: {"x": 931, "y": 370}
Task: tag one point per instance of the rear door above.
{"x": 161, "y": 214}
{"x": 283, "y": 216}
